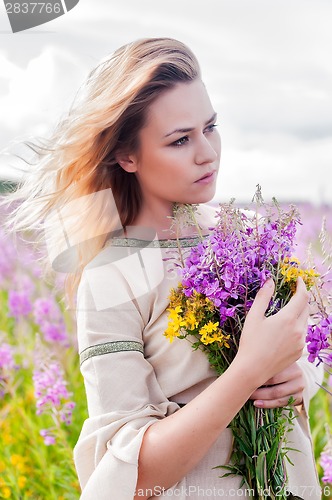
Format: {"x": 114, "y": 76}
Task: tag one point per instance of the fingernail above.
{"x": 258, "y": 403}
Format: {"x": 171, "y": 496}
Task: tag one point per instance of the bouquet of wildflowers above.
{"x": 220, "y": 279}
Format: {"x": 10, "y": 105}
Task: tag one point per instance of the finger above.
{"x": 280, "y": 402}
{"x": 279, "y": 391}
{"x": 304, "y": 317}
{"x": 262, "y": 299}
{"x": 299, "y": 301}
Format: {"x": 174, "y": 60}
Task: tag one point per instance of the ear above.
{"x": 126, "y": 161}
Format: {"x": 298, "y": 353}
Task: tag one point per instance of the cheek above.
{"x": 216, "y": 143}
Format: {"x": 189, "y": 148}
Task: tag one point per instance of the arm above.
{"x": 173, "y": 446}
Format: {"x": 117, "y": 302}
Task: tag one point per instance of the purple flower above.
{"x": 48, "y": 316}
{"x": 52, "y": 395}
{"x": 326, "y": 463}
{"x": 23, "y": 283}
{"x": 50, "y": 387}
{"x": 51, "y": 392}
{"x": 7, "y": 364}
{"x": 66, "y": 413}
{"x": 49, "y": 438}
{"x": 19, "y": 304}
{"x": 6, "y": 356}
{"x": 54, "y": 332}
{"x": 235, "y": 260}
{"x": 7, "y": 262}
{"x": 318, "y": 339}
{"x": 45, "y": 309}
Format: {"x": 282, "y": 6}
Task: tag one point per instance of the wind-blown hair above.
{"x": 69, "y": 196}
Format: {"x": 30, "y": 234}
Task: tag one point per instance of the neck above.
{"x": 160, "y": 221}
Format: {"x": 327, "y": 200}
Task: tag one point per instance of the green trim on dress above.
{"x": 110, "y": 347}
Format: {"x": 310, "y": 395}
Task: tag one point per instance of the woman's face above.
{"x": 179, "y": 153}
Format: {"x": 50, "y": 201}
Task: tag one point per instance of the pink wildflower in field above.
{"x": 48, "y": 316}
{"x": 7, "y": 254}
{"x": 19, "y": 304}
{"x": 23, "y": 283}
{"x": 52, "y": 397}
{"x": 326, "y": 463}
{"x": 67, "y": 412}
{"x": 318, "y": 339}
{"x": 7, "y": 364}
{"x": 6, "y": 356}
{"x": 50, "y": 387}
{"x": 49, "y": 439}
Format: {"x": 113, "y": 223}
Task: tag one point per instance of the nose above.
{"x": 206, "y": 151}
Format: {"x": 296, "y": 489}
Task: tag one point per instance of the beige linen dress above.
{"x": 133, "y": 377}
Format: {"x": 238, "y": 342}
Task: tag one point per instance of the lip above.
{"x": 207, "y": 178}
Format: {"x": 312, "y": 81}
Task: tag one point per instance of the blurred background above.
{"x": 267, "y": 66}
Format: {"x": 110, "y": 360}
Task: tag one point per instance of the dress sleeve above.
{"x": 313, "y": 376}
{"x": 123, "y": 394}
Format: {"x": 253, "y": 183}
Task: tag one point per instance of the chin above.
{"x": 205, "y": 197}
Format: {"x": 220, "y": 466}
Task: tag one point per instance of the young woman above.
{"x": 140, "y": 138}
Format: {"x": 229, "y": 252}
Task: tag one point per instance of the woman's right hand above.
{"x": 270, "y": 344}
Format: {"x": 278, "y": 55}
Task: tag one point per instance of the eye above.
{"x": 210, "y": 128}
{"x": 181, "y": 141}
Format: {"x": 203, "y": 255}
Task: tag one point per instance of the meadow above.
{"x": 42, "y": 398}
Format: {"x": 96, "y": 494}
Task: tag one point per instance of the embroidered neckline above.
{"x": 187, "y": 241}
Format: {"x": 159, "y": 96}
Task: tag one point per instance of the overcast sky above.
{"x": 267, "y": 66}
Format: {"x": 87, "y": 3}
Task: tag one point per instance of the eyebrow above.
{"x": 186, "y": 130}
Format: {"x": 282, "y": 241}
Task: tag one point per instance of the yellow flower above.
{"x": 176, "y": 296}
{"x": 209, "y": 328}
{"x": 291, "y": 260}
{"x": 5, "y": 492}
{"x": 210, "y": 333}
{"x": 209, "y": 339}
{"x": 2, "y": 466}
{"x": 22, "y": 482}
{"x": 15, "y": 459}
{"x": 6, "y": 435}
{"x": 19, "y": 462}
{"x": 291, "y": 271}
{"x": 175, "y": 323}
{"x": 170, "y": 333}
{"x": 190, "y": 321}
{"x": 216, "y": 337}
{"x": 174, "y": 312}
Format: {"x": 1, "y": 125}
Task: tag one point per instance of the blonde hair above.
{"x": 77, "y": 191}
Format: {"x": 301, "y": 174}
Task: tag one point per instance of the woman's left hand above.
{"x": 277, "y": 391}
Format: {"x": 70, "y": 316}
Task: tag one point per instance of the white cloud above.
{"x": 286, "y": 167}
{"x": 39, "y": 94}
